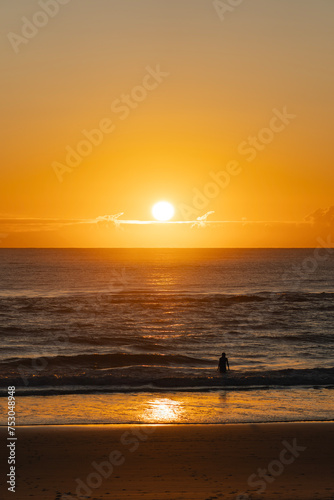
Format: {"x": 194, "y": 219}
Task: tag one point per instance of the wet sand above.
{"x": 174, "y": 462}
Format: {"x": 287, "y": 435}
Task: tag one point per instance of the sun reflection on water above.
{"x": 163, "y": 410}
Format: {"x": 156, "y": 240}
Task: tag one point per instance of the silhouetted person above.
{"x": 223, "y": 363}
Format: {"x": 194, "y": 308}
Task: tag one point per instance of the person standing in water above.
{"x": 223, "y": 363}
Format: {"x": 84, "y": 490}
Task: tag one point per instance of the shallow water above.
{"x": 268, "y": 405}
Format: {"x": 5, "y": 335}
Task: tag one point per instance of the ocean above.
{"x": 128, "y": 328}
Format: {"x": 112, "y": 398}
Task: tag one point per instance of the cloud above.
{"x": 23, "y": 225}
{"x": 304, "y": 232}
{"x": 323, "y": 217}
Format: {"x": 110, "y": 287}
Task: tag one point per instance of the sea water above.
{"x": 124, "y": 324}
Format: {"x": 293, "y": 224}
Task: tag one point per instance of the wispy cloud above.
{"x": 115, "y": 219}
{"x": 22, "y": 224}
{"x": 321, "y": 217}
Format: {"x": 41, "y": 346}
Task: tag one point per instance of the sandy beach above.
{"x": 190, "y": 462}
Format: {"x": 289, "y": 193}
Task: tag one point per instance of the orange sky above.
{"x": 178, "y": 92}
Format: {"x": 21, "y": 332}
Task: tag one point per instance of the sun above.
{"x": 163, "y": 210}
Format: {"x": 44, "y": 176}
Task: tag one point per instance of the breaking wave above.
{"x": 93, "y": 381}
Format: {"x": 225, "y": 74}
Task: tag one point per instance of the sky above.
{"x": 110, "y": 106}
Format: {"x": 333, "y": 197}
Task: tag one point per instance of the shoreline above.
{"x": 188, "y": 424}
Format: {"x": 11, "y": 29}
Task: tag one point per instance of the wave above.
{"x": 108, "y": 383}
{"x": 110, "y": 360}
{"x": 66, "y": 302}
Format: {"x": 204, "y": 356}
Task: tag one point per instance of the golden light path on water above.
{"x": 176, "y": 407}
{"x": 163, "y": 411}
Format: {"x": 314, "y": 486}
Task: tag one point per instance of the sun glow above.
{"x": 163, "y": 410}
{"x": 163, "y": 211}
